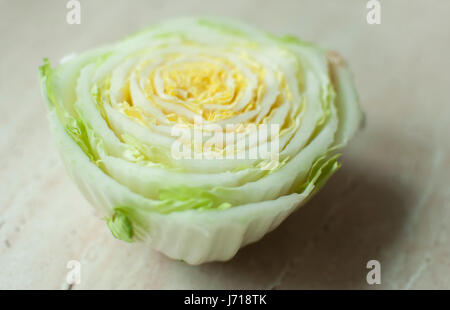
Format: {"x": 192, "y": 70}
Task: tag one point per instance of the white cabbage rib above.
{"x": 112, "y": 111}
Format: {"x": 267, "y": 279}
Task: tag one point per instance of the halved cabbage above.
{"x": 113, "y": 111}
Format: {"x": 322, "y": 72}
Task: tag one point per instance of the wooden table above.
{"x": 389, "y": 202}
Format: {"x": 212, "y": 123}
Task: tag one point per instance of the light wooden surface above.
{"x": 389, "y": 202}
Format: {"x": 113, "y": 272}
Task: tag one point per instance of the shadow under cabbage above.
{"x": 327, "y": 243}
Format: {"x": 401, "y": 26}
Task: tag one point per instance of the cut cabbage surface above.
{"x": 121, "y": 113}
